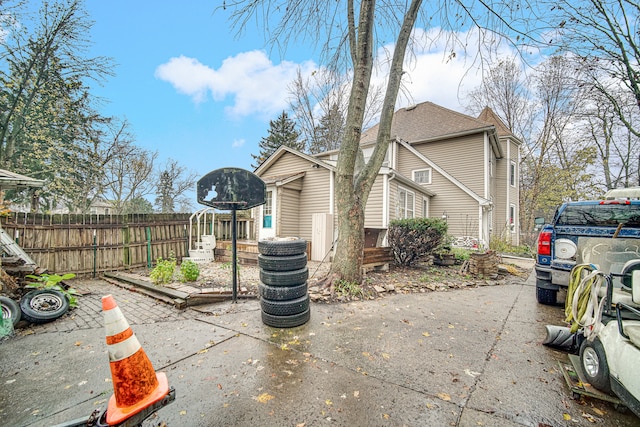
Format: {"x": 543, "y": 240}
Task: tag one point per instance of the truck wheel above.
{"x": 594, "y": 364}
{"x": 546, "y": 296}
{"x": 43, "y": 305}
{"x": 10, "y": 310}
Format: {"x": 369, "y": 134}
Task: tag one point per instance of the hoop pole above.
{"x": 234, "y": 261}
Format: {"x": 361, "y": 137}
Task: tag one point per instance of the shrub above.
{"x": 461, "y": 254}
{"x": 163, "y": 271}
{"x": 189, "y": 271}
{"x": 412, "y": 239}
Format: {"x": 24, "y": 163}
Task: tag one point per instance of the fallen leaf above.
{"x": 219, "y": 386}
{"x": 566, "y": 417}
{"x": 328, "y": 402}
{"x": 386, "y": 356}
{"x": 78, "y": 343}
{"x": 356, "y": 394}
{"x": 204, "y": 350}
{"x": 444, "y": 396}
{"x": 426, "y": 334}
{"x": 589, "y": 417}
{"x": 451, "y": 326}
{"x": 386, "y": 416}
{"x": 183, "y": 412}
{"x": 264, "y": 398}
{"x": 301, "y": 424}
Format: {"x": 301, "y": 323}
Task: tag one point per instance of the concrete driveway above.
{"x": 468, "y": 357}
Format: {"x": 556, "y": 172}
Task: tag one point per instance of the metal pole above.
{"x": 95, "y": 253}
{"x": 233, "y": 254}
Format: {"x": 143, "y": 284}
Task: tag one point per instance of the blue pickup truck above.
{"x": 558, "y": 241}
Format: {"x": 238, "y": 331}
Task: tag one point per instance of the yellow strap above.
{"x": 583, "y": 298}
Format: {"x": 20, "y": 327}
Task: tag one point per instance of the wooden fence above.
{"x": 93, "y": 244}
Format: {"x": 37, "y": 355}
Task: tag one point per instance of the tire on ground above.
{"x": 282, "y": 263}
{"x": 284, "y": 278}
{"x": 10, "y": 310}
{"x": 43, "y": 305}
{"x": 282, "y": 247}
{"x": 285, "y": 308}
{"x": 286, "y": 321}
{"x": 282, "y": 293}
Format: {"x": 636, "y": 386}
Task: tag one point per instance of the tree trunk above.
{"x": 352, "y": 191}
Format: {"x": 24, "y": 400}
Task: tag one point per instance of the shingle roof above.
{"x": 487, "y": 115}
{"x": 427, "y": 121}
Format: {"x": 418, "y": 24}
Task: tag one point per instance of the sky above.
{"x": 198, "y": 94}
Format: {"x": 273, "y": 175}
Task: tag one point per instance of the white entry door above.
{"x": 268, "y": 226}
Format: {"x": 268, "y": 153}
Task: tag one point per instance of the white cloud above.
{"x": 237, "y": 143}
{"x": 256, "y": 84}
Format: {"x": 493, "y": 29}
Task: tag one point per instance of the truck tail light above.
{"x": 544, "y": 243}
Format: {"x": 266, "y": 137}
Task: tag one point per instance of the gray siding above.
{"x": 289, "y": 218}
{"x": 461, "y": 157}
{"x": 313, "y": 198}
{"x": 373, "y": 210}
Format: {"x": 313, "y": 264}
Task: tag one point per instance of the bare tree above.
{"x": 129, "y": 172}
{"x": 604, "y": 35}
{"x": 320, "y": 103}
{"x": 173, "y": 182}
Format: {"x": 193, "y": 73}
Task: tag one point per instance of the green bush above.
{"x": 412, "y": 239}
{"x": 163, "y": 271}
{"x": 461, "y": 254}
{"x": 189, "y": 271}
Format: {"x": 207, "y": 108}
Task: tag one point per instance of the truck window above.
{"x": 601, "y": 215}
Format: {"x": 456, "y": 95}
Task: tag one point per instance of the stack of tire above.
{"x": 284, "y": 296}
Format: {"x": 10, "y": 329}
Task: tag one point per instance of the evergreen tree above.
{"x": 282, "y": 131}
{"x": 328, "y": 133}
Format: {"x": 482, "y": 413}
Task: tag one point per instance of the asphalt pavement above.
{"x": 465, "y": 357}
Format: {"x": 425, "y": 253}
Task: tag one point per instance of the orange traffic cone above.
{"x": 136, "y": 385}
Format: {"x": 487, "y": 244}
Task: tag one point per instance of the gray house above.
{"x": 440, "y": 163}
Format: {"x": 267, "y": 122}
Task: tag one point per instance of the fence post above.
{"x": 148, "y": 231}
{"x": 95, "y": 252}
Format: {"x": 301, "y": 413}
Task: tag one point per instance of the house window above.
{"x": 512, "y": 218}
{"x": 267, "y": 211}
{"x": 512, "y": 174}
{"x": 406, "y": 203}
{"x": 422, "y": 176}
{"x": 106, "y": 211}
{"x": 425, "y": 207}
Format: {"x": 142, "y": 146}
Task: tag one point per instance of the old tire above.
{"x": 286, "y": 321}
{"x": 282, "y": 263}
{"x": 282, "y": 247}
{"x": 594, "y": 364}
{"x": 546, "y": 296}
{"x": 10, "y": 310}
{"x": 284, "y": 278}
{"x": 43, "y": 305}
{"x": 282, "y": 293}
{"x": 285, "y": 308}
